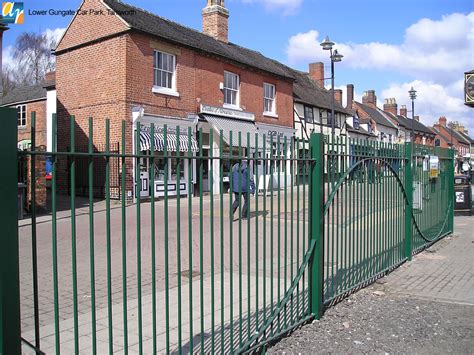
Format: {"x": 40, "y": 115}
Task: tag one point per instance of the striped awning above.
{"x": 172, "y": 143}
{"x": 235, "y": 126}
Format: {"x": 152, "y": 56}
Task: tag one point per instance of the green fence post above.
{"x": 316, "y": 226}
{"x": 10, "y": 332}
{"x": 451, "y": 199}
{"x": 409, "y": 202}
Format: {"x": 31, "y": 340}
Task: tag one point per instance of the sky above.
{"x": 388, "y": 45}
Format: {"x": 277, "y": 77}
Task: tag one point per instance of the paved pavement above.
{"x": 268, "y": 247}
{"x": 424, "y": 307}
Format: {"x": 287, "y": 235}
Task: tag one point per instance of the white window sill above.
{"x": 270, "y": 114}
{"x": 164, "y": 91}
{"x": 232, "y": 107}
{"x": 22, "y": 127}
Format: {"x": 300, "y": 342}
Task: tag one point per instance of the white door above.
{"x": 145, "y": 177}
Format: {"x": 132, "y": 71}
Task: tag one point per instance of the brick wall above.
{"x": 106, "y": 78}
{"x": 90, "y": 26}
{"x": 25, "y": 132}
{"x": 198, "y": 77}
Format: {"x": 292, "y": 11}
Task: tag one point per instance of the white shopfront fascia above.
{"x": 173, "y": 183}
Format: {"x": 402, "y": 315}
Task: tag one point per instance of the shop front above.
{"x": 280, "y": 141}
{"x": 234, "y": 134}
{"x": 168, "y": 174}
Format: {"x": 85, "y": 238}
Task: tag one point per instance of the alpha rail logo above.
{"x": 12, "y": 12}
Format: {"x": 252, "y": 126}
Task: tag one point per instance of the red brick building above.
{"x": 447, "y": 137}
{"x": 139, "y": 67}
{"x": 422, "y": 134}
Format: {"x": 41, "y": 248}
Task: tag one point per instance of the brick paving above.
{"x": 444, "y": 272}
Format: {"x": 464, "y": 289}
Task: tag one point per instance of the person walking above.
{"x": 242, "y": 181}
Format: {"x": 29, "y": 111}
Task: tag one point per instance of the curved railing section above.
{"x": 402, "y": 188}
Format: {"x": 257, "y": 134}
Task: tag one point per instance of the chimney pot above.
{"x": 390, "y": 105}
{"x": 442, "y": 121}
{"x": 369, "y": 98}
{"x": 403, "y": 111}
{"x": 215, "y": 20}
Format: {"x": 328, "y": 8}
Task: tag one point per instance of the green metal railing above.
{"x": 179, "y": 271}
{"x": 371, "y": 223}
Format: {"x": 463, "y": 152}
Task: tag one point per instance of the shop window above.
{"x": 174, "y": 163}
{"x": 231, "y": 89}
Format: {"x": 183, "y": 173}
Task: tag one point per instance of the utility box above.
{"x": 462, "y": 195}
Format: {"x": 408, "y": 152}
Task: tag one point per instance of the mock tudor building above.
{"x": 139, "y": 67}
{"x": 313, "y": 104}
{"x": 422, "y": 134}
{"x": 373, "y": 119}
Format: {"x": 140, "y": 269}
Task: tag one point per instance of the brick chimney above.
{"x": 350, "y": 95}
{"x": 316, "y": 72}
{"x": 215, "y": 20}
{"x": 338, "y": 96}
{"x": 391, "y": 106}
{"x": 442, "y": 121}
{"x": 403, "y": 111}
{"x": 369, "y": 98}
{"x": 50, "y": 76}
{"x": 3, "y": 28}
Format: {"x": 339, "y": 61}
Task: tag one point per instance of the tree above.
{"x": 34, "y": 58}
{"x": 8, "y": 82}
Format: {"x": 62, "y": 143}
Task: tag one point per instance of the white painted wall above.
{"x": 51, "y": 103}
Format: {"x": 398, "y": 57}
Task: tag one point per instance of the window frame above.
{"x": 225, "y": 89}
{"x": 306, "y": 107}
{"x": 157, "y": 88}
{"x": 272, "y": 112}
{"x": 23, "y": 112}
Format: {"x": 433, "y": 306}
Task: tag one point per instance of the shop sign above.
{"x": 434, "y": 166}
{"x": 169, "y": 129}
{"x": 225, "y": 112}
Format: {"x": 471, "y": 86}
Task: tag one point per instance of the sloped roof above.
{"x": 306, "y": 91}
{"x": 377, "y": 115}
{"x": 407, "y": 122}
{"x": 24, "y": 94}
{"x": 441, "y": 135}
{"x": 467, "y": 137}
{"x": 460, "y": 137}
{"x": 144, "y": 21}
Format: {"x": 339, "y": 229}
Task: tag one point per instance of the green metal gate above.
{"x": 185, "y": 274}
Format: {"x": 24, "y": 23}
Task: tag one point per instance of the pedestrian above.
{"x": 242, "y": 181}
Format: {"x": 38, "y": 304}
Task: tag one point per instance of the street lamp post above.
{"x": 335, "y": 57}
{"x": 412, "y": 93}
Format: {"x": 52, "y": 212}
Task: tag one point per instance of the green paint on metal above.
{"x": 9, "y": 256}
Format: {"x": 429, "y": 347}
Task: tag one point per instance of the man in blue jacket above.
{"x": 240, "y": 184}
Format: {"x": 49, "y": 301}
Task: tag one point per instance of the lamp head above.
{"x": 336, "y": 56}
{"x": 327, "y": 44}
{"x": 412, "y": 93}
